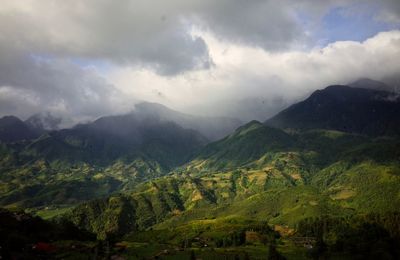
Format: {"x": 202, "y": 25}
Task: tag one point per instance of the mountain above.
{"x": 343, "y": 108}
{"x": 160, "y": 189}
{"x": 92, "y": 160}
{"x": 269, "y": 176}
{"x": 211, "y": 127}
{"x": 44, "y": 121}
{"x": 248, "y": 143}
{"x": 287, "y": 180}
{"x": 118, "y": 137}
{"x": 12, "y": 129}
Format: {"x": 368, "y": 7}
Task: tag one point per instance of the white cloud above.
{"x": 242, "y": 73}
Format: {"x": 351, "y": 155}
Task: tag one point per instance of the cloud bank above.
{"x": 250, "y": 81}
{"x": 84, "y": 59}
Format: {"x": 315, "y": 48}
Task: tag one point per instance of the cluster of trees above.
{"x": 363, "y": 236}
{"x": 236, "y": 238}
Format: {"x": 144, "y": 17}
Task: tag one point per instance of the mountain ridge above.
{"x": 13, "y": 129}
{"x": 344, "y": 108}
{"x": 143, "y": 180}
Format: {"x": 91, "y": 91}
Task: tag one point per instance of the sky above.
{"x": 247, "y": 59}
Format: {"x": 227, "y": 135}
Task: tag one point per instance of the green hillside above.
{"x": 299, "y": 176}
{"x": 247, "y": 144}
{"x": 113, "y": 154}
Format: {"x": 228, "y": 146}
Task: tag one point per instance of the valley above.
{"x": 298, "y": 186}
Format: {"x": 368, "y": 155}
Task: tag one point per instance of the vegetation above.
{"x": 361, "y": 236}
{"x": 297, "y": 181}
{"x": 152, "y": 189}
{"x": 66, "y": 167}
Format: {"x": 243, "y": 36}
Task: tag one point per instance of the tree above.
{"x": 273, "y": 254}
{"x": 192, "y": 255}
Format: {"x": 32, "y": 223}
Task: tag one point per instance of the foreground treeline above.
{"x": 371, "y": 236}
{"x": 23, "y": 236}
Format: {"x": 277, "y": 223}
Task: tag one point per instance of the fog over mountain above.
{"x": 219, "y": 58}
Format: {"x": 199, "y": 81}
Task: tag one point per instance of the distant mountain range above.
{"x": 364, "y": 106}
{"x": 118, "y": 137}
{"x": 123, "y": 150}
{"x": 13, "y": 129}
{"x": 152, "y": 140}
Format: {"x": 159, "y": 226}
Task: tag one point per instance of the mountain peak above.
{"x": 146, "y": 106}
{"x": 13, "y": 129}
{"x": 252, "y": 123}
{"x": 10, "y": 119}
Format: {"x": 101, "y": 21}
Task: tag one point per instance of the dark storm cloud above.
{"x": 31, "y": 85}
{"x": 158, "y": 34}
{"x": 126, "y": 33}
{"x": 155, "y": 33}
{"x": 38, "y": 39}
{"x": 268, "y": 24}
